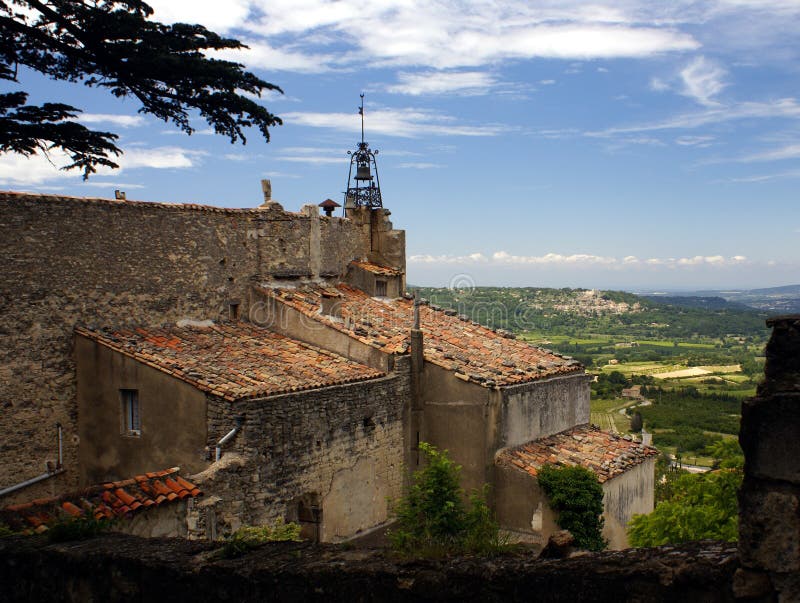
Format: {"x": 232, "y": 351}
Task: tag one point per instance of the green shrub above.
{"x": 577, "y": 497}
{"x": 432, "y": 520}
{"x": 247, "y": 538}
{"x": 79, "y": 528}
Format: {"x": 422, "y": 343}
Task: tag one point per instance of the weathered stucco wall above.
{"x": 542, "y": 408}
{"x": 172, "y": 413}
{"x": 522, "y": 507}
{"x": 624, "y": 496}
{"x": 340, "y": 448}
{"x": 70, "y": 261}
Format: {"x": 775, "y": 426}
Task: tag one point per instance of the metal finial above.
{"x": 361, "y": 113}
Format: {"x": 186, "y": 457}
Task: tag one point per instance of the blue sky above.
{"x": 626, "y": 144}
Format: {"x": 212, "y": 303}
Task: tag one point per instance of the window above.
{"x": 380, "y": 288}
{"x": 131, "y": 422}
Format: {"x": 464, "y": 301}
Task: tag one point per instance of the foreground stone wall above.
{"x": 769, "y": 501}
{"x": 69, "y": 261}
{"x": 338, "y": 448}
{"x": 125, "y": 568}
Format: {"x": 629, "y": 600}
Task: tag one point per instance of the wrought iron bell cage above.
{"x": 363, "y": 183}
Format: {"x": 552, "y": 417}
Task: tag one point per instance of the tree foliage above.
{"x": 113, "y": 45}
{"x": 433, "y": 518}
{"x": 696, "y": 506}
{"x": 576, "y": 495}
{"x": 702, "y": 506}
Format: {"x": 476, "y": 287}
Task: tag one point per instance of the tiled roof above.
{"x": 475, "y": 353}
{"x": 606, "y": 454}
{"x": 103, "y": 501}
{"x": 233, "y": 360}
{"x": 377, "y": 269}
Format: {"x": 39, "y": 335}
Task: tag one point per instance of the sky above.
{"x": 630, "y": 144}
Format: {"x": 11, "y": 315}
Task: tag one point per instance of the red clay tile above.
{"x": 235, "y": 360}
{"x": 475, "y": 353}
{"x": 606, "y": 454}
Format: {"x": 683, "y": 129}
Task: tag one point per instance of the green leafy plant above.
{"x": 577, "y": 497}
{"x": 247, "y": 538}
{"x": 701, "y": 506}
{"x": 433, "y": 520}
{"x": 79, "y": 528}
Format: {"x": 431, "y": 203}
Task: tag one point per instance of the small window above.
{"x": 233, "y": 310}
{"x": 131, "y": 421}
{"x": 380, "y": 288}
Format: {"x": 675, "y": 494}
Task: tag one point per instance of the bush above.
{"x": 432, "y": 520}
{"x": 247, "y": 538}
{"x": 577, "y": 497}
{"x": 79, "y": 528}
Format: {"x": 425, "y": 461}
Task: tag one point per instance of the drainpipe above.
{"x": 59, "y": 468}
{"x": 228, "y": 436}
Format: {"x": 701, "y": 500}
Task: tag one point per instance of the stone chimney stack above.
{"x": 266, "y": 188}
{"x": 769, "y": 501}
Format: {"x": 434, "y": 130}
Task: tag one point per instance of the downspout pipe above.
{"x": 228, "y": 437}
{"x": 51, "y": 472}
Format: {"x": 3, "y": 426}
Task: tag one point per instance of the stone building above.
{"x": 275, "y": 358}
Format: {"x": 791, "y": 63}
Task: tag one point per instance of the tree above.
{"x": 432, "y": 518}
{"x": 113, "y": 45}
{"x": 576, "y": 495}
{"x": 702, "y": 506}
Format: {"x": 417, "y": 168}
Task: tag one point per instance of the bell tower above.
{"x": 363, "y": 187}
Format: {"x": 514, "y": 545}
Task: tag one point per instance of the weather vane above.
{"x": 363, "y": 189}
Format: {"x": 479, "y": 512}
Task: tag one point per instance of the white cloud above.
{"x": 465, "y": 83}
{"x": 210, "y": 14}
{"x": 703, "y": 80}
{"x": 547, "y": 82}
{"x": 420, "y": 165}
{"x": 579, "y": 260}
{"x": 658, "y": 85}
{"x": 19, "y": 170}
{"x": 407, "y": 123}
{"x": 791, "y": 151}
{"x": 121, "y": 121}
{"x": 694, "y": 141}
{"x": 787, "y": 175}
{"x": 782, "y": 108}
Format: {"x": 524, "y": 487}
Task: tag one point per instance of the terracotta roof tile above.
{"x": 104, "y": 501}
{"x": 377, "y": 269}
{"x": 606, "y": 454}
{"x": 475, "y": 353}
{"x": 233, "y": 360}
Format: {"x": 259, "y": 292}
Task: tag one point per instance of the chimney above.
{"x": 119, "y": 195}
{"x": 266, "y": 188}
{"x": 331, "y": 304}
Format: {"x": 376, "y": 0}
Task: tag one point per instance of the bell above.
{"x": 363, "y": 173}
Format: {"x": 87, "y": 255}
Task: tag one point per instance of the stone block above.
{"x": 769, "y": 526}
{"x": 770, "y": 437}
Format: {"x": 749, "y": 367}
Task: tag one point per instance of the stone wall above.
{"x": 769, "y": 500}
{"x": 69, "y": 261}
{"x": 338, "y": 448}
{"x": 125, "y": 568}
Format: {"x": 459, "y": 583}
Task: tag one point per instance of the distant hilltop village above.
{"x": 195, "y": 369}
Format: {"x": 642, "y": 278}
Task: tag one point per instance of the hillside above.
{"x": 581, "y": 311}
